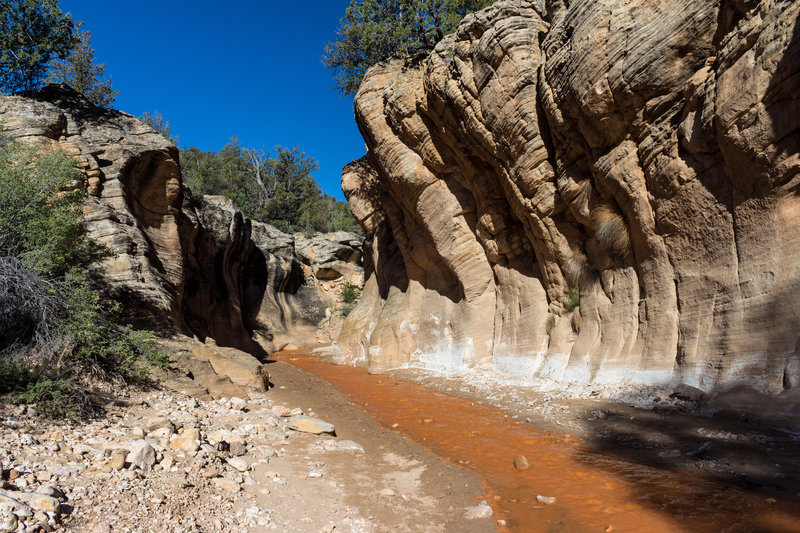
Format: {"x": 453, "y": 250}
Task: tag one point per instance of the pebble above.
{"x": 547, "y": 500}
{"x": 239, "y": 464}
{"x": 226, "y": 484}
{"x": 8, "y": 522}
{"x": 481, "y": 510}
{"x": 521, "y": 462}
{"x": 238, "y": 404}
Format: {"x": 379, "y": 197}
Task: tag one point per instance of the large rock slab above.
{"x": 591, "y": 191}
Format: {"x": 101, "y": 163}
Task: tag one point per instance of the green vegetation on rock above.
{"x": 53, "y": 326}
{"x": 374, "y": 30}
{"x": 80, "y": 71}
{"x": 350, "y": 292}
{"x": 278, "y": 190}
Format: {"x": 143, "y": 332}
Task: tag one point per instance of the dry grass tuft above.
{"x": 611, "y": 232}
{"x": 578, "y": 271}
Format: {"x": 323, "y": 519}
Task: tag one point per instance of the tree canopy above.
{"x": 80, "y": 71}
{"x": 32, "y": 33}
{"x": 278, "y": 189}
{"x": 374, "y": 30}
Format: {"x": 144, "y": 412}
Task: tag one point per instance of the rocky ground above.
{"x": 161, "y": 460}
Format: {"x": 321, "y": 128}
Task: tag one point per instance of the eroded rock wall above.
{"x": 638, "y": 158}
{"x": 182, "y": 264}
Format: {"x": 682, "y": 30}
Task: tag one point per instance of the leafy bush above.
{"x": 52, "y": 324}
{"x": 55, "y": 398}
{"x": 349, "y": 292}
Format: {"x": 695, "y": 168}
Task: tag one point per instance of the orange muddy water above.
{"x": 593, "y": 492}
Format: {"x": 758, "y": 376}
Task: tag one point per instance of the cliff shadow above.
{"x": 722, "y": 451}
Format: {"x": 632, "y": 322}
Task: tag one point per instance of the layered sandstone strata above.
{"x": 181, "y": 264}
{"x": 587, "y": 191}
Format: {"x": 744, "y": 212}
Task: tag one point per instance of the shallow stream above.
{"x": 593, "y": 491}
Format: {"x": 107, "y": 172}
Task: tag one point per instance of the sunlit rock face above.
{"x": 641, "y": 157}
{"x": 181, "y": 264}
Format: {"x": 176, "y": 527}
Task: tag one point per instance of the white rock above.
{"x": 547, "y": 500}
{"x": 141, "y": 454}
{"x": 481, "y": 510}
{"x": 239, "y": 464}
{"x": 238, "y": 403}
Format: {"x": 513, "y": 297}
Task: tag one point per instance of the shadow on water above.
{"x": 593, "y": 491}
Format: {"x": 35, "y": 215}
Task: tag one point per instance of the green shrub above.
{"x": 573, "y": 300}
{"x": 52, "y": 324}
{"x": 550, "y": 323}
{"x": 346, "y": 309}
{"x": 55, "y": 398}
{"x": 350, "y": 292}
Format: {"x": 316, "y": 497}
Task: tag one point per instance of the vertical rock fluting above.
{"x": 641, "y": 156}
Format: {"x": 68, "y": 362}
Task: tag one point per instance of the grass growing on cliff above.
{"x": 54, "y": 329}
{"x": 349, "y": 292}
{"x": 573, "y": 301}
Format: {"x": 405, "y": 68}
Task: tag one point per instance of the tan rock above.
{"x": 536, "y": 167}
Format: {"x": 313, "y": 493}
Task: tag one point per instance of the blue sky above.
{"x": 246, "y": 68}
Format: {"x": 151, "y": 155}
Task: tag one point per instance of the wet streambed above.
{"x": 592, "y": 491}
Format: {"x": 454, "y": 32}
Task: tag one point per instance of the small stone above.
{"x": 8, "y": 522}
{"x": 224, "y": 483}
{"x": 159, "y": 423}
{"x": 428, "y": 420}
{"x": 296, "y": 412}
{"x": 117, "y": 461}
{"x": 28, "y": 440}
{"x": 185, "y": 444}
{"x": 237, "y": 448}
{"x": 39, "y": 502}
{"x": 50, "y": 490}
{"x": 481, "y": 510}
{"x": 141, "y": 454}
{"x": 239, "y": 464}
{"x": 191, "y": 433}
{"x": 307, "y": 424}
{"x": 547, "y": 500}
{"x": 521, "y": 462}
{"x": 387, "y": 492}
{"x": 210, "y": 473}
{"x": 350, "y": 446}
{"x": 281, "y": 410}
{"x": 238, "y": 404}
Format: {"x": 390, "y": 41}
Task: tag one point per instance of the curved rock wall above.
{"x": 587, "y": 191}
{"x": 182, "y": 264}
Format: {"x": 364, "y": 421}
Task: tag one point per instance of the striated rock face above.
{"x": 330, "y": 255}
{"x": 183, "y": 264}
{"x": 588, "y": 191}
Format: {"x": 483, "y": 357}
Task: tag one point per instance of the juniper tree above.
{"x": 80, "y": 71}
{"x": 32, "y": 34}
{"x": 374, "y": 30}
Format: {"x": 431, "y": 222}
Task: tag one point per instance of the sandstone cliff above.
{"x": 587, "y": 191}
{"x": 183, "y": 265}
